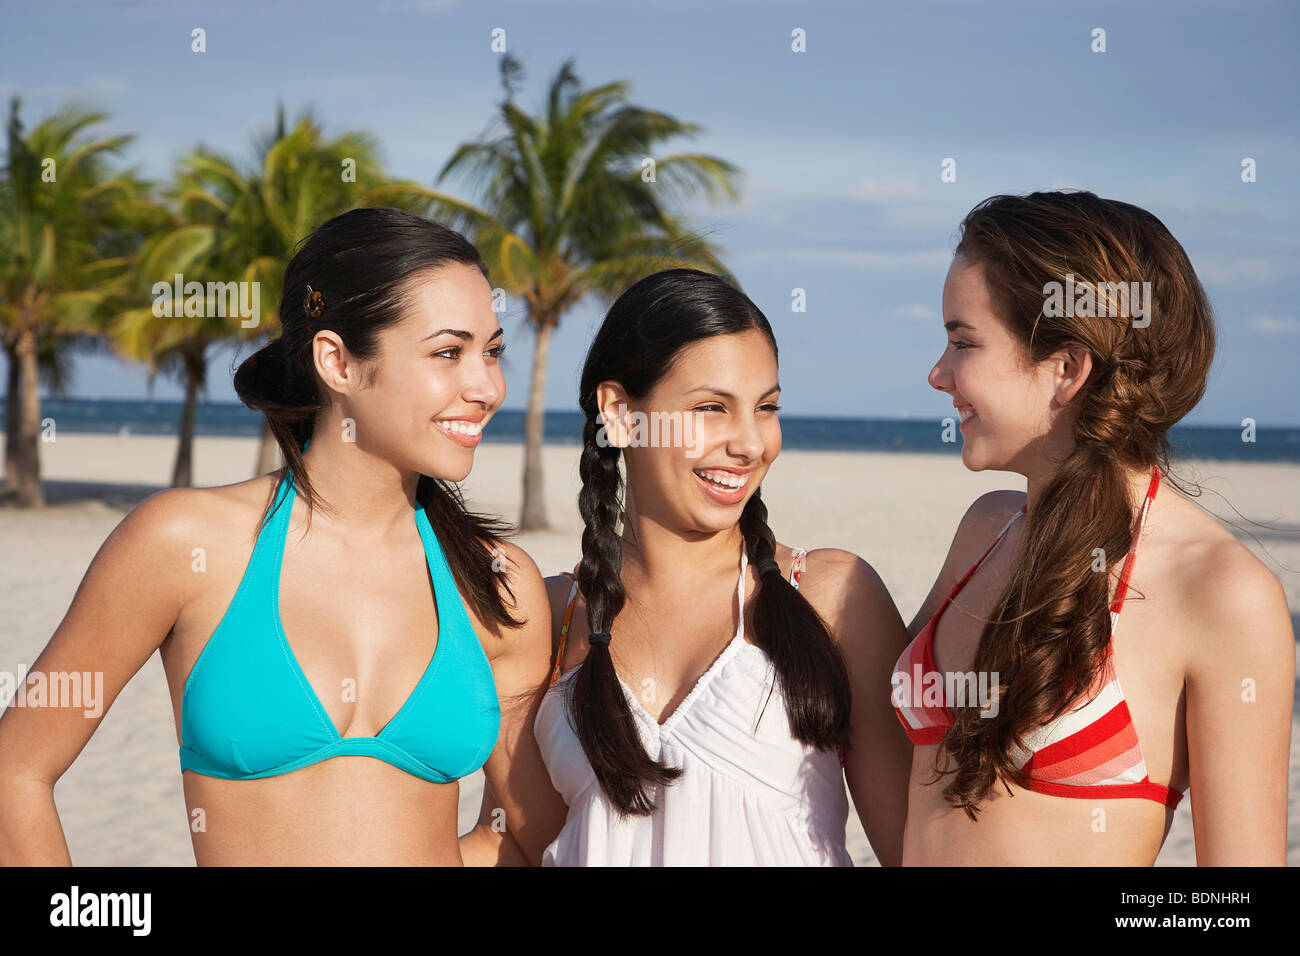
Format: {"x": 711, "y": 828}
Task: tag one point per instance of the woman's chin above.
{"x": 716, "y": 518}
{"x": 972, "y": 460}
{"x": 443, "y": 472}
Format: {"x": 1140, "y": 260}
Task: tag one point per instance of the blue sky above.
{"x": 841, "y": 145}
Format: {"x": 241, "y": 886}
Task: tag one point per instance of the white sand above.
{"x": 121, "y": 801}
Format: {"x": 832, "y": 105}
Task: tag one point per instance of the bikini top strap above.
{"x": 1122, "y": 590}
{"x": 797, "y": 566}
{"x": 564, "y": 631}
{"x": 987, "y": 551}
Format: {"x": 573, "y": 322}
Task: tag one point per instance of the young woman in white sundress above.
{"x": 713, "y": 689}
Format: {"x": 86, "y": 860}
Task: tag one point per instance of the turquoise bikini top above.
{"x": 247, "y": 710}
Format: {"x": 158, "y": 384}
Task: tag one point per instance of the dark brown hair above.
{"x": 1050, "y": 628}
{"x": 636, "y": 346}
{"x": 361, "y": 265}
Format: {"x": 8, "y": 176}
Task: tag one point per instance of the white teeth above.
{"x": 965, "y": 413}
{"x": 461, "y": 428}
{"x": 724, "y": 478}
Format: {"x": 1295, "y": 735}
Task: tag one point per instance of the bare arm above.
{"x": 1239, "y": 681}
{"x": 490, "y": 842}
{"x": 518, "y": 786}
{"x": 123, "y": 610}
{"x": 869, "y": 632}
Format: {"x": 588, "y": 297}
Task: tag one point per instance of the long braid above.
{"x": 791, "y": 632}
{"x": 601, "y": 716}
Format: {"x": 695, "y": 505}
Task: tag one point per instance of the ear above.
{"x": 339, "y": 371}
{"x": 1070, "y": 368}
{"x": 612, "y": 407}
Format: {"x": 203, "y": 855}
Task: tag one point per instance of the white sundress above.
{"x": 746, "y": 797}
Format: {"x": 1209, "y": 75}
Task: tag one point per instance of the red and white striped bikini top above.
{"x": 1090, "y": 752}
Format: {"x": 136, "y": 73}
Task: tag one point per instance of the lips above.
{"x": 463, "y": 431}
{"x": 724, "y": 476}
{"x": 724, "y": 485}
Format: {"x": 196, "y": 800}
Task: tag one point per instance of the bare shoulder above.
{"x": 171, "y": 514}
{"x": 841, "y": 585}
{"x": 236, "y": 507}
{"x": 158, "y": 542}
{"x": 831, "y": 570}
{"x": 1234, "y": 607}
{"x": 988, "y": 512}
{"x": 512, "y": 561}
{"x": 523, "y": 593}
{"x": 190, "y": 517}
{"x": 518, "y": 573}
{"x": 981, "y": 523}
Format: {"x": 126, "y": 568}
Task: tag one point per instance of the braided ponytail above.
{"x": 1050, "y": 629}
{"x": 603, "y": 720}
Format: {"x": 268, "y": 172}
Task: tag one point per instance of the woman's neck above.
{"x": 659, "y": 555}
{"x": 369, "y": 497}
{"x": 1137, "y": 480}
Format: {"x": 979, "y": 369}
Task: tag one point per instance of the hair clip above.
{"x": 314, "y": 303}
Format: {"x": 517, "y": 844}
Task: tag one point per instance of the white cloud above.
{"x": 924, "y": 260}
{"x": 1275, "y": 325}
{"x": 915, "y": 311}
{"x": 1257, "y": 269}
{"x": 872, "y": 189}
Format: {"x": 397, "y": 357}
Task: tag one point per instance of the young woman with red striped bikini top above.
{"x": 1098, "y": 644}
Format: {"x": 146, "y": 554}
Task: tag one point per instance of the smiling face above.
{"x": 1006, "y": 402}
{"x": 437, "y": 379}
{"x": 726, "y": 387}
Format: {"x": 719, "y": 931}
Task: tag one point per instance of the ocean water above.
{"x": 142, "y": 417}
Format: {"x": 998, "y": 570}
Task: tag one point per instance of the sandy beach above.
{"x": 121, "y": 803}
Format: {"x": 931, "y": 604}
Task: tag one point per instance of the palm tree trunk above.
{"x": 26, "y": 455}
{"x": 11, "y": 423}
{"x": 195, "y": 374}
{"x": 533, "y": 516}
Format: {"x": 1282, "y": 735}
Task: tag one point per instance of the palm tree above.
{"x": 232, "y": 224}
{"x": 65, "y": 221}
{"x": 575, "y": 202}
{"x": 177, "y": 341}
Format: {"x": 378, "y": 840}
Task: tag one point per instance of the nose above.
{"x": 485, "y": 384}
{"x": 940, "y": 377}
{"x": 747, "y": 441}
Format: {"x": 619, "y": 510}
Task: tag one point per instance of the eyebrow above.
{"x": 727, "y": 395}
{"x": 956, "y": 324}
{"x": 460, "y": 334}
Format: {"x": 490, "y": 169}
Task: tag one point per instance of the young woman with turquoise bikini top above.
{"x": 334, "y": 670}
